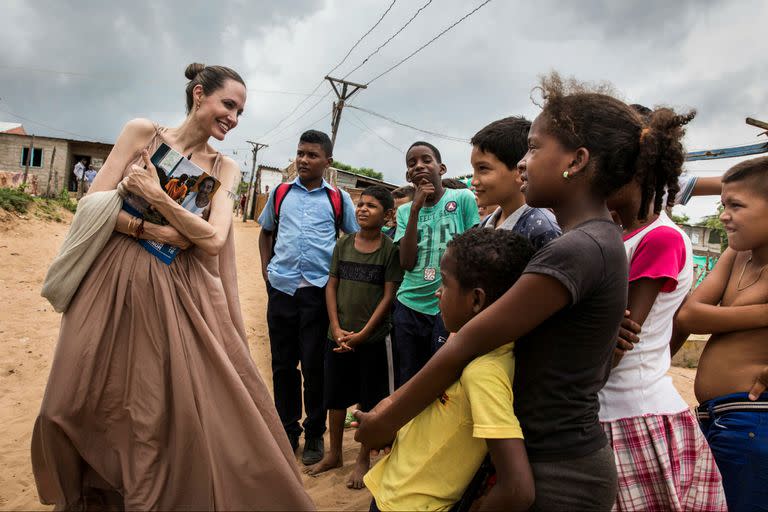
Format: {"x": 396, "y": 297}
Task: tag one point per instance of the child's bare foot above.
{"x": 330, "y": 461}
{"x": 356, "y": 478}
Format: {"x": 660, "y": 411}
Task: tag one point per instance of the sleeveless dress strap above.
{"x": 158, "y": 133}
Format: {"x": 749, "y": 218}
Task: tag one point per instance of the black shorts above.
{"x": 358, "y": 377}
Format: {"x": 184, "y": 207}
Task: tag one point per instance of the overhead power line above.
{"x": 392, "y": 68}
{"x": 78, "y": 135}
{"x": 428, "y": 132}
{"x": 297, "y": 133}
{"x": 288, "y": 93}
{"x": 320, "y": 83}
{"x": 362, "y": 37}
{"x": 45, "y": 70}
{"x": 300, "y": 117}
{"x": 366, "y": 127}
{"x": 385, "y": 43}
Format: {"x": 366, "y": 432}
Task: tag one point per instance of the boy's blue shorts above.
{"x": 737, "y": 431}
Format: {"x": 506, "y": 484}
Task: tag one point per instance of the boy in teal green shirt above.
{"x": 424, "y": 228}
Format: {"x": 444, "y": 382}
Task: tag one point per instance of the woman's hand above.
{"x": 171, "y": 236}
{"x": 144, "y": 182}
{"x": 166, "y": 235}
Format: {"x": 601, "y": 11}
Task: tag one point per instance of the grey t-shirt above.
{"x": 538, "y": 225}
{"x": 563, "y": 363}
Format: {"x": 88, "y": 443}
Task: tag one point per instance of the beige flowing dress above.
{"x": 153, "y": 394}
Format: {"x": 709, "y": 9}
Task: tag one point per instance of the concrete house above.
{"x": 47, "y": 156}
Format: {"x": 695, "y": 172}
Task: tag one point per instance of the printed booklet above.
{"x": 185, "y": 183}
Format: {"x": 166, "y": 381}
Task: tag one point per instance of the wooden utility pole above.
{"x": 342, "y": 97}
{"x": 30, "y": 153}
{"x": 50, "y": 174}
{"x": 759, "y": 124}
{"x": 256, "y": 146}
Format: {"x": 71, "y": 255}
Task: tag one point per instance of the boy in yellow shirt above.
{"x": 435, "y": 456}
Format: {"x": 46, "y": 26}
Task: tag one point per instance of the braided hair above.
{"x": 623, "y": 144}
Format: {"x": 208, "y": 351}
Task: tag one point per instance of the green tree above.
{"x": 713, "y": 222}
{"x": 362, "y": 171}
{"x": 680, "y": 219}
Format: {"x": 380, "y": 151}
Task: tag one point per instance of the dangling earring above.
{"x": 566, "y": 175}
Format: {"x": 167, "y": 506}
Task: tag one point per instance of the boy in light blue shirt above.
{"x": 296, "y": 246}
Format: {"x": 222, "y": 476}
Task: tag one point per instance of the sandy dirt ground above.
{"x": 29, "y": 328}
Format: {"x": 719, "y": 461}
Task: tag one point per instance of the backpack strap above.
{"x": 281, "y": 191}
{"x": 334, "y": 197}
{"x": 337, "y": 204}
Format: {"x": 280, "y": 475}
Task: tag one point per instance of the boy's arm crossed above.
{"x": 410, "y": 240}
{"x": 514, "y": 489}
{"x": 702, "y": 312}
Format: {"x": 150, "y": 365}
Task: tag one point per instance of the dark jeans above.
{"x": 739, "y": 442}
{"x": 298, "y": 328}
{"x": 416, "y": 337}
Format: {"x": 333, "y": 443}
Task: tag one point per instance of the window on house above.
{"x": 714, "y": 237}
{"x": 37, "y": 157}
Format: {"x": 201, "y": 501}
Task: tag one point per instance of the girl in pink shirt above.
{"x": 662, "y": 458}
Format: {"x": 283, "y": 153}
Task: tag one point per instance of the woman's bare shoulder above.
{"x": 138, "y": 129}
{"x": 229, "y": 169}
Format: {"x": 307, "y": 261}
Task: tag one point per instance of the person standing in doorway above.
{"x": 90, "y": 175}
{"x": 78, "y": 172}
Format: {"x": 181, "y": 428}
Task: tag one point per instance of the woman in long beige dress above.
{"x": 153, "y": 401}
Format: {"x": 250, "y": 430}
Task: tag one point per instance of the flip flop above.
{"x": 350, "y": 420}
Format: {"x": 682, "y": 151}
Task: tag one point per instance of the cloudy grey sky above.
{"x": 86, "y": 67}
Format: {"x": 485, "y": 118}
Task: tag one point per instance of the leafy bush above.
{"x": 14, "y": 200}
{"x": 48, "y": 209}
{"x": 362, "y": 171}
{"x": 66, "y": 202}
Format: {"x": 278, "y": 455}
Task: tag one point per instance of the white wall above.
{"x": 271, "y": 179}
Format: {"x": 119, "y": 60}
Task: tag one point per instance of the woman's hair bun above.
{"x": 193, "y": 70}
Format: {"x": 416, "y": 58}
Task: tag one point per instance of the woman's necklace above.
{"x": 759, "y": 275}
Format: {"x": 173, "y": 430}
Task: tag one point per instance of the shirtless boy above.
{"x": 732, "y": 305}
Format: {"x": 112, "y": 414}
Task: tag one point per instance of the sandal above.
{"x": 350, "y": 418}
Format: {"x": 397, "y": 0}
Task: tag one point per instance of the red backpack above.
{"x": 334, "y": 196}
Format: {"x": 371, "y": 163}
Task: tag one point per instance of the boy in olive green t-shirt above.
{"x": 424, "y": 228}
{"x": 365, "y": 270}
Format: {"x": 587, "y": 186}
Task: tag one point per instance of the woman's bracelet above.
{"x": 139, "y": 229}
{"x": 135, "y": 227}
{"x": 131, "y": 224}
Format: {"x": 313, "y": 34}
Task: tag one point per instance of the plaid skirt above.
{"x": 664, "y": 463}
